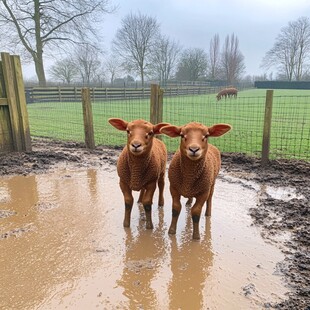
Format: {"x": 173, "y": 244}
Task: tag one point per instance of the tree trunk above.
{"x": 38, "y": 57}
{"x": 142, "y": 78}
{"x": 40, "y": 71}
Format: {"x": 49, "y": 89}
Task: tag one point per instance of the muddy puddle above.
{"x": 62, "y": 246}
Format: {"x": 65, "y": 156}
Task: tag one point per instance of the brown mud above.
{"x": 281, "y": 213}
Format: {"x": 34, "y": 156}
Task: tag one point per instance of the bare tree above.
{"x": 214, "y": 56}
{"x": 291, "y": 50}
{"x": 192, "y": 64}
{"x": 164, "y": 58}
{"x": 88, "y": 63}
{"x": 135, "y": 41}
{"x": 29, "y": 27}
{"x": 65, "y": 70}
{"x": 281, "y": 56}
{"x": 232, "y": 60}
{"x": 113, "y": 67}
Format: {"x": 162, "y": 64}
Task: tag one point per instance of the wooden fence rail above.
{"x": 64, "y": 94}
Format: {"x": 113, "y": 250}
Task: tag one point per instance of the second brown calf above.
{"x": 193, "y": 169}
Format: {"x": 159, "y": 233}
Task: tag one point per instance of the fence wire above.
{"x": 57, "y": 120}
{"x": 290, "y": 129}
{"x": 245, "y": 117}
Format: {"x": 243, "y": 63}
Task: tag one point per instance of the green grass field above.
{"x": 290, "y": 120}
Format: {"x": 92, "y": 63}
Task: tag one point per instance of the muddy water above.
{"x": 62, "y": 246}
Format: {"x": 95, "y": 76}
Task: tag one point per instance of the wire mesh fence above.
{"x": 290, "y": 129}
{"x": 290, "y": 132}
{"x": 245, "y": 116}
{"x": 128, "y": 110}
{"x": 57, "y": 120}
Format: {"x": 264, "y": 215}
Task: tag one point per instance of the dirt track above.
{"x": 274, "y": 216}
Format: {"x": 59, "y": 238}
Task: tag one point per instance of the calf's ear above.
{"x": 171, "y": 131}
{"x": 157, "y": 127}
{"x": 118, "y": 123}
{"x": 218, "y": 130}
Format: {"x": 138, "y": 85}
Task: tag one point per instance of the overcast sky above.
{"x": 193, "y": 23}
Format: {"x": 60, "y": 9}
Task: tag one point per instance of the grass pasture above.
{"x": 290, "y": 128}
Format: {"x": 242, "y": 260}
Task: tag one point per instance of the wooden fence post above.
{"x": 154, "y": 100}
{"x": 21, "y": 104}
{"x": 88, "y": 119}
{"x": 15, "y": 93}
{"x": 267, "y": 128}
{"x": 11, "y": 96}
{"x": 156, "y": 107}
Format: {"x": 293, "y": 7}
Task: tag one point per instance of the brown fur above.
{"x": 232, "y": 92}
{"x": 141, "y": 165}
{"x": 227, "y": 92}
{"x": 193, "y": 169}
{"x": 221, "y": 94}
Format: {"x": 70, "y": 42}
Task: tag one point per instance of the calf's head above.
{"x": 140, "y": 134}
{"x": 194, "y": 137}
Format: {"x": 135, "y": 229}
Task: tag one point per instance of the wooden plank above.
{"x": 2, "y": 88}
{"x": 21, "y": 104}
{"x": 10, "y": 93}
{"x": 267, "y": 128}
{"x": 4, "y": 101}
{"x": 6, "y": 142}
{"x": 88, "y": 119}
{"x": 40, "y": 94}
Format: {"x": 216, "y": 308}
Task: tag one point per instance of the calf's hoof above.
{"x": 196, "y": 236}
{"x": 149, "y": 225}
{"x": 126, "y": 223}
{"x": 172, "y": 231}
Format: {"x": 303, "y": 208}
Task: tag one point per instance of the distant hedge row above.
{"x": 282, "y": 84}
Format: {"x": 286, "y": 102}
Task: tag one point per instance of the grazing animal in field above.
{"x": 232, "y": 92}
{"x": 141, "y": 165}
{"x": 193, "y": 169}
{"x": 221, "y": 94}
{"x": 227, "y": 92}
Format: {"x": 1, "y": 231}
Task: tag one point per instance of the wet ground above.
{"x": 62, "y": 244}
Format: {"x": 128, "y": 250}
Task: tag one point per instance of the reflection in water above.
{"x": 147, "y": 280}
{"x": 78, "y": 255}
{"x": 92, "y": 176}
{"x": 143, "y": 257}
{"x": 190, "y": 263}
{"x": 48, "y": 259}
{"x": 20, "y": 201}
{"x": 23, "y": 196}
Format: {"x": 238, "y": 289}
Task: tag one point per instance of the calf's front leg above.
{"x": 128, "y": 198}
{"x": 147, "y": 201}
{"x": 196, "y": 212}
{"x": 176, "y": 209}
